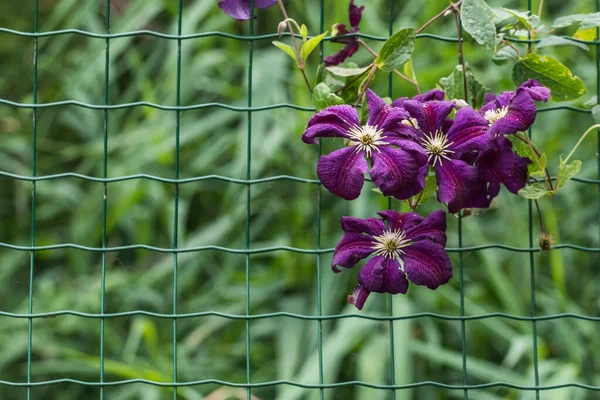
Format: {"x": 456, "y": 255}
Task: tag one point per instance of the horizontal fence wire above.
{"x": 176, "y": 249}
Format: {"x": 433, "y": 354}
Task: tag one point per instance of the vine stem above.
{"x": 547, "y": 176}
{"x": 298, "y": 57}
{"x": 455, "y": 10}
{"x": 591, "y": 128}
{"x": 401, "y": 75}
{"x": 366, "y": 83}
{"x": 537, "y": 205}
{"x": 441, "y": 14}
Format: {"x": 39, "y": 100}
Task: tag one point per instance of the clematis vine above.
{"x": 240, "y": 9}
{"x": 395, "y": 160}
{"x": 402, "y": 245}
{"x": 350, "y": 43}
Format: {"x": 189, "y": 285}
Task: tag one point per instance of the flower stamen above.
{"x": 390, "y": 244}
{"x": 366, "y": 138}
{"x": 410, "y": 122}
{"x": 436, "y": 145}
{"x": 494, "y": 115}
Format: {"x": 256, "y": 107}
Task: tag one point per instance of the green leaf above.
{"x": 505, "y": 54}
{"x": 585, "y": 21}
{"x": 310, "y": 45}
{"x": 536, "y": 169}
{"x": 303, "y": 32}
{"x": 396, "y": 50}
{"x": 596, "y": 113}
{"x": 550, "y": 73}
{"x": 525, "y": 19}
{"x": 523, "y": 150}
{"x": 455, "y": 89}
{"x": 534, "y": 191}
{"x": 554, "y": 40}
{"x": 478, "y": 21}
{"x": 289, "y": 50}
{"x": 322, "y": 97}
{"x": 566, "y": 172}
{"x": 430, "y": 187}
{"x": 346, "y": 72}
{"x": 585, "y": 34}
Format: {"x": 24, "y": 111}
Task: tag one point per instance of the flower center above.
{"x": 436, "y": 146}
{"x": 494, "y": 115}
{"x": 410, "y": 122}
{"x": 366, "y": 138}
{"x": 390, "y": 244}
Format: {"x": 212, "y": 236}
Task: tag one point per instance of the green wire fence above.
{"x": 248, "y": 249}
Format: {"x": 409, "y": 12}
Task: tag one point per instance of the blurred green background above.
{"x": 283, "y": 213}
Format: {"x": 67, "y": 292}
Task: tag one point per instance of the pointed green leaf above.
{"x": 455, "y": 88}
{"x": 289, "y": 50}
{"x": 550, "y": 73}
{"x": 396, "y": 50}
{"x": 303, "y": 32}
{"x": 345, "y": 72}
{"x": 478, "y": 21}
{"x": 585, "y": 21}
{"x": 525, "y": 19}
{"x": 310, "y": 45}
{"x": 534, "y": 191}
{"x": 430, "y": 187}
{"x": 554, "y": 40}
{"x": 566, "y": 172}
{"x": 538, "y": 169}
{"x": 596, "y": 113}
{"x": 322, "y": 97}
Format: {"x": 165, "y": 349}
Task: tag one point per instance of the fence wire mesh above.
{"x": 248, "y": 249}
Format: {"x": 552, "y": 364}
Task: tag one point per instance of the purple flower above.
{"x": 410, "y": 246}
{"x": 513, "y": 111}
{"x": 447, "y": 143}
{"x": 395, "y": 160}
{"x": 351, "y": 43}
{"x": 499, "y": 165}
{"x": 240, "y": 9}
{"x": 433, "y": 94}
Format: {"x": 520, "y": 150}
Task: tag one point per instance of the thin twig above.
{"x": 366, "y": 84}
{"x": 537, "y": 205}
{"x": 540, "y": 8}
{"x": 460, "y": 48}
{"x": 441, "y": 14}
{"x": 548, "y": 177}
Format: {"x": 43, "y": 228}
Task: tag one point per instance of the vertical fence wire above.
{"x": 33, "y": 196}
{"x": 532, "y": 274}
{"x": 597, "y": 47}
{"x": 104, "y": 197}
{"x": 176, "y": 201}
{"x": 389, "y": 296}
{"x": 319, "y": 188}
{"x": 249, "y": 193}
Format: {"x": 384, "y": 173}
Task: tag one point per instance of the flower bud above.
{"x": 460, "y": 103}
{"x": 281, "y": 28}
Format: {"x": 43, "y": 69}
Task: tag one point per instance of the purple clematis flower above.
{"x": 240, "y": 9}
{"x": 500, "y": 165}
{"x": 433, "y": 94}
{"x": 447, "y": 143}
{"x": 410, "y": 246}
{"x": 396, "y": 161}
{"x": 513, "y": 111}
{"x": 351, "y": 43}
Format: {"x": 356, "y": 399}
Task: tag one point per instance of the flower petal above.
{"x": 378, "y": 110}
{"x": 370, "y": 226}
{"x": 345, "y": 52}
{"x": 429, "y": 115}
{"x": 455, "y": 179}
{"x": 401, "y": 221}
{"x": 334, "y": 121}
{"x": 394, "y": 170}
{"x": 351, "y": 248}
{"x": 432, "y": 228}
{"x": 536, "y": 90}
{"x": 427, "y": 263}
{"x": 240, "y": 9}
{"x": 521, "y": 114}
{"x": 343, "y": 172}
{"x": 501, "y": 165}
{"x": 469, "y": 132}
{"x": 433, "y": 94}
{"x": 359, "y": 296}
{"x": 383, "y": 275}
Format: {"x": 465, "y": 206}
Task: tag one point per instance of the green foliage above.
{"x": 323, "y": 97}
{"x": 567, "y": 172}
{"x": 534, "y": 191}
{"x": 454, "y": 87}
{"x": 478, "y": 21}
{"x": 550, "y": 73}
{"x": 310, "y": 45}
{"x": 584, "y": 21}
{"x": 396, "y": 50}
